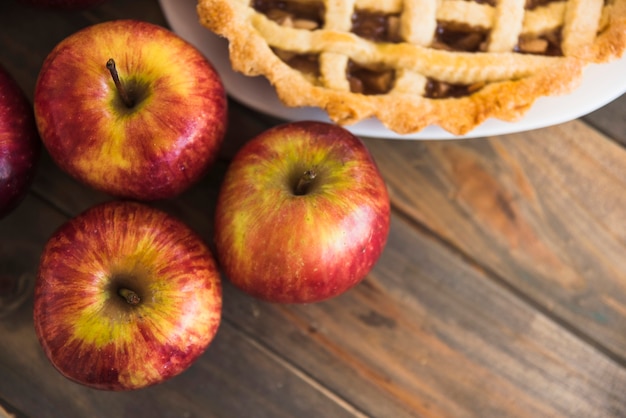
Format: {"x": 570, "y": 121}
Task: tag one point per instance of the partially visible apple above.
{"x": 131, "y": 109}
{"x": 19, "y": 143}
{"x": 63, "y": 4}
{"x": 302, "y": 214}
{"x": 126, "y": 296}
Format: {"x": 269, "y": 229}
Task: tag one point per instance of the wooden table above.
{"x": 501, "y": 291}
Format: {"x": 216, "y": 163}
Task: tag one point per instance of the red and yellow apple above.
{"x": 302, "y": 214}
{"x": 19, "y": 143}
{"x": 131, "y": 109}
{"x": 126, "y": 296}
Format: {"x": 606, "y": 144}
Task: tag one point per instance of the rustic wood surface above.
{"x": 501, "y": 292}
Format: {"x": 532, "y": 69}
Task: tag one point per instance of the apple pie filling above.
{"x": 302, "y": 15}
{"x": 375, "y": 26}
{"x": 382, "y": 27}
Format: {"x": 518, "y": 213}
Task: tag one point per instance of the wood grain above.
{"x": 543, "y": 211}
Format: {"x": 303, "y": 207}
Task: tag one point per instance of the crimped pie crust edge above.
{"x": 251, "y": 55}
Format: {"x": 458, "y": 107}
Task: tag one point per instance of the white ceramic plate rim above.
{"x": 601, "y": 84}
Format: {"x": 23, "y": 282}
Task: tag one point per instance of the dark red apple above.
{"x": 19, "y": 143}
{"x": 302, "y": 215}
{"x": 131, "y": 109}
{"x": 126, "y": 296}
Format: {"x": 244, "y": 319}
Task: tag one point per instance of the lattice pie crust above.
{"x": 415, "y": 63}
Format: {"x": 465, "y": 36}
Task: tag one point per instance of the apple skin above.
{"x": 63, "y": 4}
{"x": 20, "y": 146}
{"x": 90, "y": 333}
{"x": 283, "y": 247}
{"x": 154, "y": 150}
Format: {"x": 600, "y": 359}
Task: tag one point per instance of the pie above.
{"x": 415, "y": 63}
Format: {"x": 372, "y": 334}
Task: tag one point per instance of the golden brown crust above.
{"x": 512, "y": 81}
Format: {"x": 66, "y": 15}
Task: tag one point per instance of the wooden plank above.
{"x": 234, "y": 376}
{"x": 611, "y": 119}
{"x": 543, "y": 210}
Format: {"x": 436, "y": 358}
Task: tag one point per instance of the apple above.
{"x": 19, "y": 144}
{"x": 63, "y": 4}
{"x": 131, "y": 109}
{"x": 302, "y": 214}
{"x": 126, "y": 296}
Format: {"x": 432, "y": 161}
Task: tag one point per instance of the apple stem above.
{"x": 118, "y": 84}
{"x": 303, "y": 182}
{"x": 131, "y": 297}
